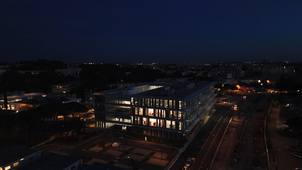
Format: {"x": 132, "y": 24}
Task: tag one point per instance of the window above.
{"x": 132, "y": 102}
{"x": 166, "y": 103}
{"x": 135, "y": 102}
{"x": 162, "y": 123}
{"x": 153, "y": 122}
{"x": 139, "y": 120}
{"x": 180, "y": 126}
{"x": 179, "y": 115}
{"x": 170, "y": 103}
{"x": 145, "y": 121}
{"x": 156, "y": 112}
{"x": 60, "y": 117}
{"x": 16, "y": 164}
{"x": 179, "y": 104}
{"x": 173, "y": 124}
{"x": 125, "y": 102}
{"x": 148, "y": 102}
{"x": 135, "y": 120}
{"x": 168, "y": 124}
{"x": 136, "y": 111}
{"x": 141, "y": 111}
{"x": 163, "y": 114}
{"x": 157, "y": 102}
{"x": 175, "y": 114}
{"x": 150, "y": 112}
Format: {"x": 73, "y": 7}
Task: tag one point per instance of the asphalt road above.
{"x": 206, "y": 141}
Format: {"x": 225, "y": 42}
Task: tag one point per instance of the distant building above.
{"x": 70, "y": 71}
{"x": 22, "y": 101}
{"x": 169, "y": 109}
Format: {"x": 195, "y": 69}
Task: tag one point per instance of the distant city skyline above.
{"x": 171, "y": 31}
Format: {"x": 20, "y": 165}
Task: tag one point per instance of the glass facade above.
{"x": 158, "y": 113}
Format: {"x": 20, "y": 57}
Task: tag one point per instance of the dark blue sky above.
{"x": 171, "y": 31}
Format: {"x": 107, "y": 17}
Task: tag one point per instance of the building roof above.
{"x": 176, "y": 89}
{"x": 132, "y": 89}
{"x": 101, "y": 166}
{"x": 51, "y": 161}
{"x": 13, "y": 153}
{"x": 62, "y": 108}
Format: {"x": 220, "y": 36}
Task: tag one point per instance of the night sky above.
{"x": 168, "y": 31}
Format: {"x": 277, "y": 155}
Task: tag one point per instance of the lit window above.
{"x": 180, "y": 125}
{"x": 173, "y": 124}
{"x": 168, "y": 124}
{"x": 145, "y": 121}
{"x": 163, "y": 113}
{"x": 161, "y": 123}
{"x": 150, "y": 112}
{"x": 15, "y": 164}
{"x": 136, "y": 111}
{"x": 180, "y": 104}
{"x": 152, "y": 122}
{"x": 166, "y": 103}
{"x": 126, "y": 102}
{"x": 139, "y": 120}
{"x": 179, "y": 115}
{"x": 141, "y": 111}
{"x": 170, "y": 103}
{"x": 157, "y": 102}
{"x": 175, "y": 114}
{"x": 60, "y": 117}
{"x": 171, "y": 113}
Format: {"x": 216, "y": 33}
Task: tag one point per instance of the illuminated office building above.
{"x": 113, "y": 107}
{"x": 160, "y": 109}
